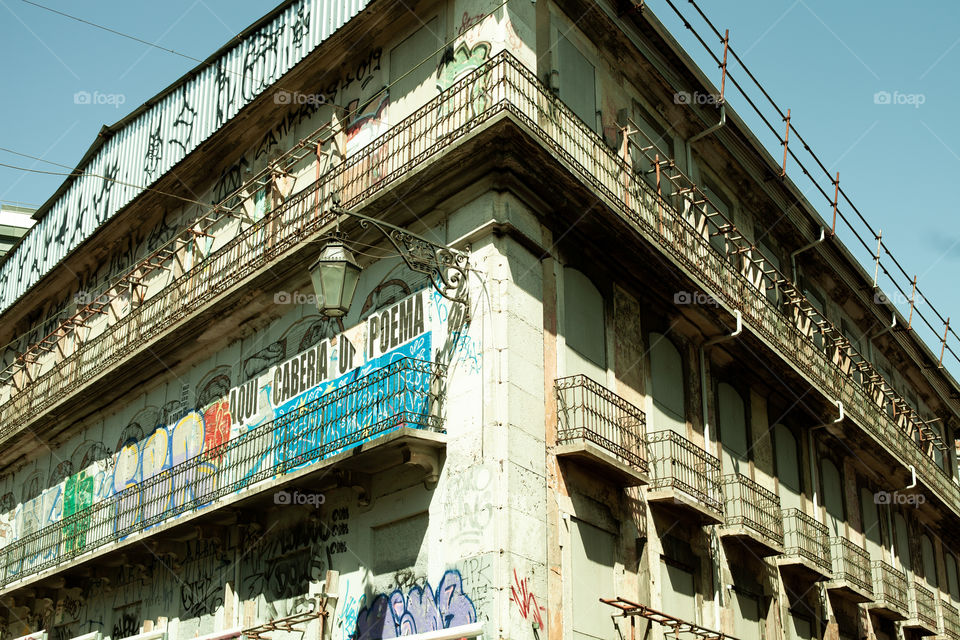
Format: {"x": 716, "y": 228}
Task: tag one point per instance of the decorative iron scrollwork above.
{"x": 447, "y": 267}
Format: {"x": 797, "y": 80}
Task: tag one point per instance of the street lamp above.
{"x": 335, "y": 272}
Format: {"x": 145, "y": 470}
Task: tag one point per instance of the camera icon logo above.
{"x": 682, "y": 297}
{"x": 882, "y": 497}
{"x": 282, "y": 497}
{"x": 282, "y": 297}
{"x": 882, "y": 97}
{"x": 82, "y": 97}
{"x": 282, "y": 97}
{"x": 682, "y": 97}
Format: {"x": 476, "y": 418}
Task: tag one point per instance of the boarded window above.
{"x": 412, "y": 85}
{"x": 903, "y": 544}
{"x": 397, "y": 545}
{"x": 929, "y": 562}
{"x": 651, "y": 131}
{"x": 871, "y": 524}
{"x": 833, "y": 498}
{"x": 666, "y": 385}
{"x": 788, "y": 467}
{"x": 747, "y": 616}
{"x": 583, "y": 326}
{"x": 577, "y": 81}
{"x": 592, "y": 579}
{"x": 733, "y": 429}
{"x": 950, "y": 562}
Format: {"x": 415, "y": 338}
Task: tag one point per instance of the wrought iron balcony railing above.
{"x": 804, "y": 537}
{"x": 503, "y": 85}
{"x": 851, "y": 564}
{"x": 405, "y": 393}
{"x": 889, "y": 589}
{"x": 752, "y": 507}
{"x": 949, "y": 621}
{"x": 589, "y": 412}
{"x": 923, "y": 608}
{"x": 680, "y": 465}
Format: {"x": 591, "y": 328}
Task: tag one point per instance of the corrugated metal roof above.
{"x": 161, "y": 132}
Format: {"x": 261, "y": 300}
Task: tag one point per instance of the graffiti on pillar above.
{"x": 526, "y": 601}
{"x": 420, "y": 610}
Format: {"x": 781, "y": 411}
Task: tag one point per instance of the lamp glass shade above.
{"x": 334, "y": 274}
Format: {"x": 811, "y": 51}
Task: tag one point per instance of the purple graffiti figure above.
{"x": 421, "y": 610}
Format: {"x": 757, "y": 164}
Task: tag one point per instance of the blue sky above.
{"x": 823, "y": 59}
{"x": 826, "y": 61}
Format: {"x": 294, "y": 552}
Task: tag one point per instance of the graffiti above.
{"x": 420, "y": 610}
{"x": 478, "y": 573}
{"x": 468, "y": 22}
{"x": 363, "y": 73}
{"x": 348, "y": 610}
{"x": 260, "y": 61}
{"x": 456, "y": 64}
{"x": 127, "y": 624}
{"x": 183, "y": 125}
{"x": 154, "y": 155}
{"x": 286, "y": 561}
{"x": 287, "y": 126}
{"x": 469, "y": 504}
{"x": 525, "y": 600}
{"x": 230, "y": 180}
{"x": 367, "y": 122}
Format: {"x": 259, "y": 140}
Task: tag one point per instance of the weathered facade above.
{"x": 642, "y": 390}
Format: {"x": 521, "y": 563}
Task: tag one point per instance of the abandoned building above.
{"x": 457, "y": 319}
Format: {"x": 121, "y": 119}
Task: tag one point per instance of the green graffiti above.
{"x": 461, "y": 63}
{"x": 77, "y": 496}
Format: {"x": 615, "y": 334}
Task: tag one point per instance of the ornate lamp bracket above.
{"x": 447, "y": 267}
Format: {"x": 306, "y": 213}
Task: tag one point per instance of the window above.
{"x": 747, "y": 615}
{"x": 733, "y": 429}
{"x": 412, "y": 81}
{"x": 651, "y": 131}
{"x": 666, "y": 386}
{"x": 871, "y": 524}
{"x": 583, "y": 326}
{"x": 929, "y": 562}
{"x": 577, "y": 81}
{"x": 833, "y": 498}
{"x": 950, "y": 563}
{"x": 788, "y": 467}
{"x": 904, "y": 560}
{"x": 592, "y": 569}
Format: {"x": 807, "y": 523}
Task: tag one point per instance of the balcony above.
{"x": 949, "y": 621}
{"x": 510, "y": 96}
{"x": 387, "y": 418}
{"x": 851, "y": 571}
{"x": 805, "y": 548}
{"x": 889, "y": 592}
{"x": 684, "y": 476}
{"x": 752, "y": 515}
{"x": 922, "y": 611}
{"x": 601, "y": 430}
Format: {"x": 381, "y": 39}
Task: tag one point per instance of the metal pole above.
{"x": 786, "y": 141}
